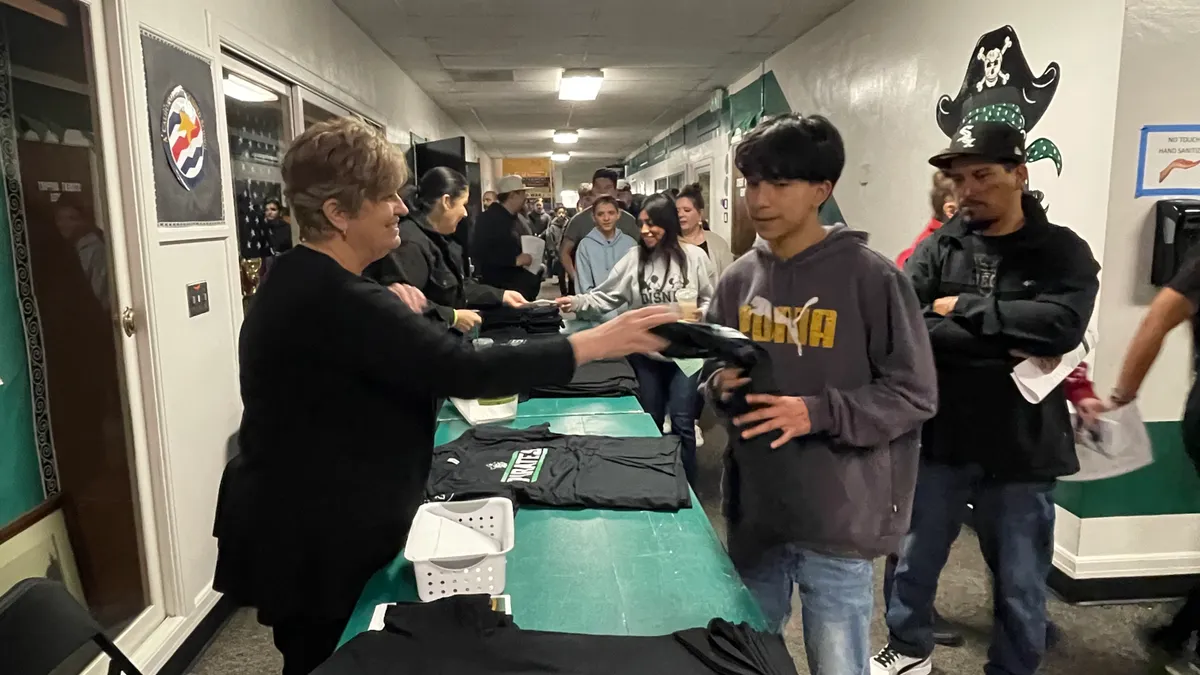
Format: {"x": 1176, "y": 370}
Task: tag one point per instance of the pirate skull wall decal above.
{"x": 999, "y": 86}
{"x": 993, "y": 65}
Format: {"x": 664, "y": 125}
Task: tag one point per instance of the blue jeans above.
{"x": 663, "y": 387}
{"x": 836, "y": 601}
{"x": 1015, "y": 525}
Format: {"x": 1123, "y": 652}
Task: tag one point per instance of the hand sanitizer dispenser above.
{"x": 1176, "y": 231}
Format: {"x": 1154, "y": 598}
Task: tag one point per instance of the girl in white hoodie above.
{"x": 653, "y": 274}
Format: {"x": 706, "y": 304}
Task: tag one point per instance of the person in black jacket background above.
{"x": 339, "y": 382}
{"x": 999, "y": 283}
{"x": 279, "y": 230}
{"x": 430, "y": 259}
{"x": 496, "y": 243}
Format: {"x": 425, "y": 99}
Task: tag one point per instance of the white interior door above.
{"x": 109, "y": 89}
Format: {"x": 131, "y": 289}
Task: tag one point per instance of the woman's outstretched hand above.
{"x": 565, "y": 304}
{"x": 627, "y": 334}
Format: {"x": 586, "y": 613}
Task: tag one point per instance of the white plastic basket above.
{"x": 486, "y": 411}
{"x": 460, "y": 548}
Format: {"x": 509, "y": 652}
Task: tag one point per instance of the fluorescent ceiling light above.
{"x": 244, "y": 90}
{"x": 560, "y": 156}
{"x": 566, "y": 136}
{"x": 580, "y": 84}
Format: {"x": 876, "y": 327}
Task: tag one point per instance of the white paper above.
{"x": 1117, "y": 444}
{"x": 377, "y": 616}
{"x": 1035, "y": 384}
{"x": 536, "y": 248}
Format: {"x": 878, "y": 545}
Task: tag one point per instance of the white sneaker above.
{"x": 1187, "y": 668}
{"x": 891, "y": 662}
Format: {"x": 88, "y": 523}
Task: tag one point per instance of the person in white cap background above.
{"x": 496, "y": 246}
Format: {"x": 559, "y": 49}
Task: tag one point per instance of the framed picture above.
{"x": 184, "y": 140}
{"x": 41, "y": 550}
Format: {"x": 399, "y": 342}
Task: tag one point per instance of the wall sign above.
{"x": 1168, "y": 159}
{"x": 180, "y": 102}
{"x": 999, "y": 86}
{"x": 182, "y": 133}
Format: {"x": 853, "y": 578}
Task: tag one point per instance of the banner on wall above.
{"x": 535, "y": 172}
{"x": 184, "y": 142}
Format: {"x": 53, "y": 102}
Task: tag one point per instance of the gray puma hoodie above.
{"x": 845, "y": 332}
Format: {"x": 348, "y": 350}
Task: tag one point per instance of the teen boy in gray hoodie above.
{"x": 820, "y": 474}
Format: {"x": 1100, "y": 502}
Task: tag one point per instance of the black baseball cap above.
{"x": 994, "y": 141}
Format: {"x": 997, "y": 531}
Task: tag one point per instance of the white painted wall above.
{"x": 196, "y": 397}
{"x": 877, "y": 69}
{"x": 1157, "y": 32}
{"x": 715, "y": 151}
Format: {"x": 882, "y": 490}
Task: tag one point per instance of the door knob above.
{"x": 128, "y": 322}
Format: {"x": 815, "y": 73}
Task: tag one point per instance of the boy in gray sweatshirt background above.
{"x": 820, "y": 473}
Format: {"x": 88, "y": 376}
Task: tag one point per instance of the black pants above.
{"x": 1187, "y": 620}
{"x": 306, "y": 643}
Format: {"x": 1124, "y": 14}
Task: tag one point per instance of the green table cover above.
{"x": 600, "y": 572}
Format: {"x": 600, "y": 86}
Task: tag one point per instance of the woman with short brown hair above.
{"x": 339, "y": 382}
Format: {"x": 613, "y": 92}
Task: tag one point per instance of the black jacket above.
{"x": 1031, "y": 291}
{"x": 339, "y": 384}
{"x": 433, "y": 263}
{"x": 495, "y": 246}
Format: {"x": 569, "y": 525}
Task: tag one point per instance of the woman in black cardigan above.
{"x": 339, "y": 379}
{"x": 429, "y": 259}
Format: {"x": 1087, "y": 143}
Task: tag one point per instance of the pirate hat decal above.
{"x": 999, "y": 86}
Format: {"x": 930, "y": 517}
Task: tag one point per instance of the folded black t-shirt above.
{"x": 462, "y": 634}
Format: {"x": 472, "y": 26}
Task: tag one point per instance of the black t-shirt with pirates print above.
{"x": 536, "y": 466}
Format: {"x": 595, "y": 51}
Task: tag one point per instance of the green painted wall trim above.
{"x": 740, "y": 110}
{"x": 1168, "y": 486}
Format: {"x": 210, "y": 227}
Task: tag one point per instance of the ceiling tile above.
{"x": 661, "y": 58}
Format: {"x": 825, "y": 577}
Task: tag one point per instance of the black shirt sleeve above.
{"x": 1051, "y": 323}
{"x": 404, "y": 352}
{"x": 481, "y": 295}
{"x": 1186, "y": 281}
{"x": 387, "y": 271}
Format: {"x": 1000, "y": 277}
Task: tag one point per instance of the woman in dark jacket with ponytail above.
{"x": 432, "y": 261}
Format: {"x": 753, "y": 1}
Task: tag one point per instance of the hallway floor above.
{"x": 1096, "y": 640}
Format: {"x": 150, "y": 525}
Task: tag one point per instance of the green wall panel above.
{"x": 1168, "y": 486}
{"x": 20, "y": 483}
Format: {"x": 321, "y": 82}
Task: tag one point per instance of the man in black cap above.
{"x": 999, "y": 284}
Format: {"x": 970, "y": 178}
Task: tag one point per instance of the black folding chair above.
{"x": 42, "y": 625}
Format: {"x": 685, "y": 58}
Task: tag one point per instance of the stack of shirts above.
{"x": 724, "y": 346}
{"x": 509, "y": 322}
{"x": 462, "y": 634}
{"x": 537, "y": 466}
{"x": 604, "y": 378}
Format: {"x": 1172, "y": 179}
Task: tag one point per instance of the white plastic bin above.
{"x": 460, "y": 548}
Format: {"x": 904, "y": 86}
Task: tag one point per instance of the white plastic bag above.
{"x": 1115, "y": 445}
